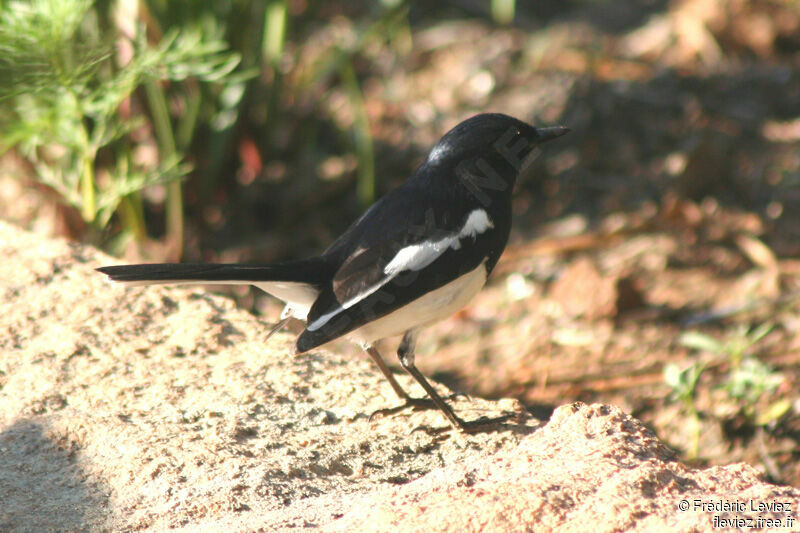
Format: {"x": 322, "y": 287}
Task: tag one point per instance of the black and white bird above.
{"x": 416, "y": 256}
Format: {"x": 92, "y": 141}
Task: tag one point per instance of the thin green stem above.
{"x": 89, "y": 205}
{"x": 131, "y": 213}
{"x": 166, "y": 142}
{"x": 365, "y": 186}
{"x": 274, "y": 31}
{"x": 694, "y": 449}
{"x": 188, "y": 123}
{"x": 88, "y": 153}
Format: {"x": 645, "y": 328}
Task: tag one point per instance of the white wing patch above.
{"x": 477, "y": 222}
{"x": 418, "y": 256}
{"x": 415, "y": 257}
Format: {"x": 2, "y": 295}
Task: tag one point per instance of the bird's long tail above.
{"x": 296, "y": 282}
{"x": 308, "y": 271}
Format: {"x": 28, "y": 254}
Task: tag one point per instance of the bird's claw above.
{"x": 417, "y": 404}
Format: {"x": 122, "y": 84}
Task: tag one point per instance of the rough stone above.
{"x": 163, "y": 407}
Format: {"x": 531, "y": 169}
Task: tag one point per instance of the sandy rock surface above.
{"x": 160, "y": 407}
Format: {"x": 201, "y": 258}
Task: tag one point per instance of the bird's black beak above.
{"x": 542, "y": 136}
{"x": 548, "y": 134}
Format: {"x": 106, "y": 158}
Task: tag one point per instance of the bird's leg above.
{"x": 373, "y": 353}
{"x": 406, "y": 354}
{"x": 408, "y": 401}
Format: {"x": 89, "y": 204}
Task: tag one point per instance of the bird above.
{"x": 415, "y": 257}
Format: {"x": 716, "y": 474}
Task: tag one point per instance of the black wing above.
{"x": 408, "y": 244}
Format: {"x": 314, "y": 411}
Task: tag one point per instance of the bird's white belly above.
{"x": 427, "y": 309}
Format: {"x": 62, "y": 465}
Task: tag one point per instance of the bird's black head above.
{"x": 490, "y": 135}
{"x": 487, "y": 152}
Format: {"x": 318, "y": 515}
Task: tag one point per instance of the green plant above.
{"x": 738, "y": 346}
{"x": 390, "y": 26}
{"x": 67, "y": 101}
{"x": 272, "y": 36}
{"x": 748, "y": 378}
{"x": 749, "y": 383}
{"x": 683, "y": 386}
{"x": 683, "y": 383}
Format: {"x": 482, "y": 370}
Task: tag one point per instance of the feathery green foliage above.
{"x": 62, "y": 90}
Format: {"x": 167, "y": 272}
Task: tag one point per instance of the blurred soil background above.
{"x": 655, "y": 257}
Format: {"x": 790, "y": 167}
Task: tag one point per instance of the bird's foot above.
{"x": 417, "y": 404}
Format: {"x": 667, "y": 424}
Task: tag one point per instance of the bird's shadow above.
{"x": 509, "y": 422}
